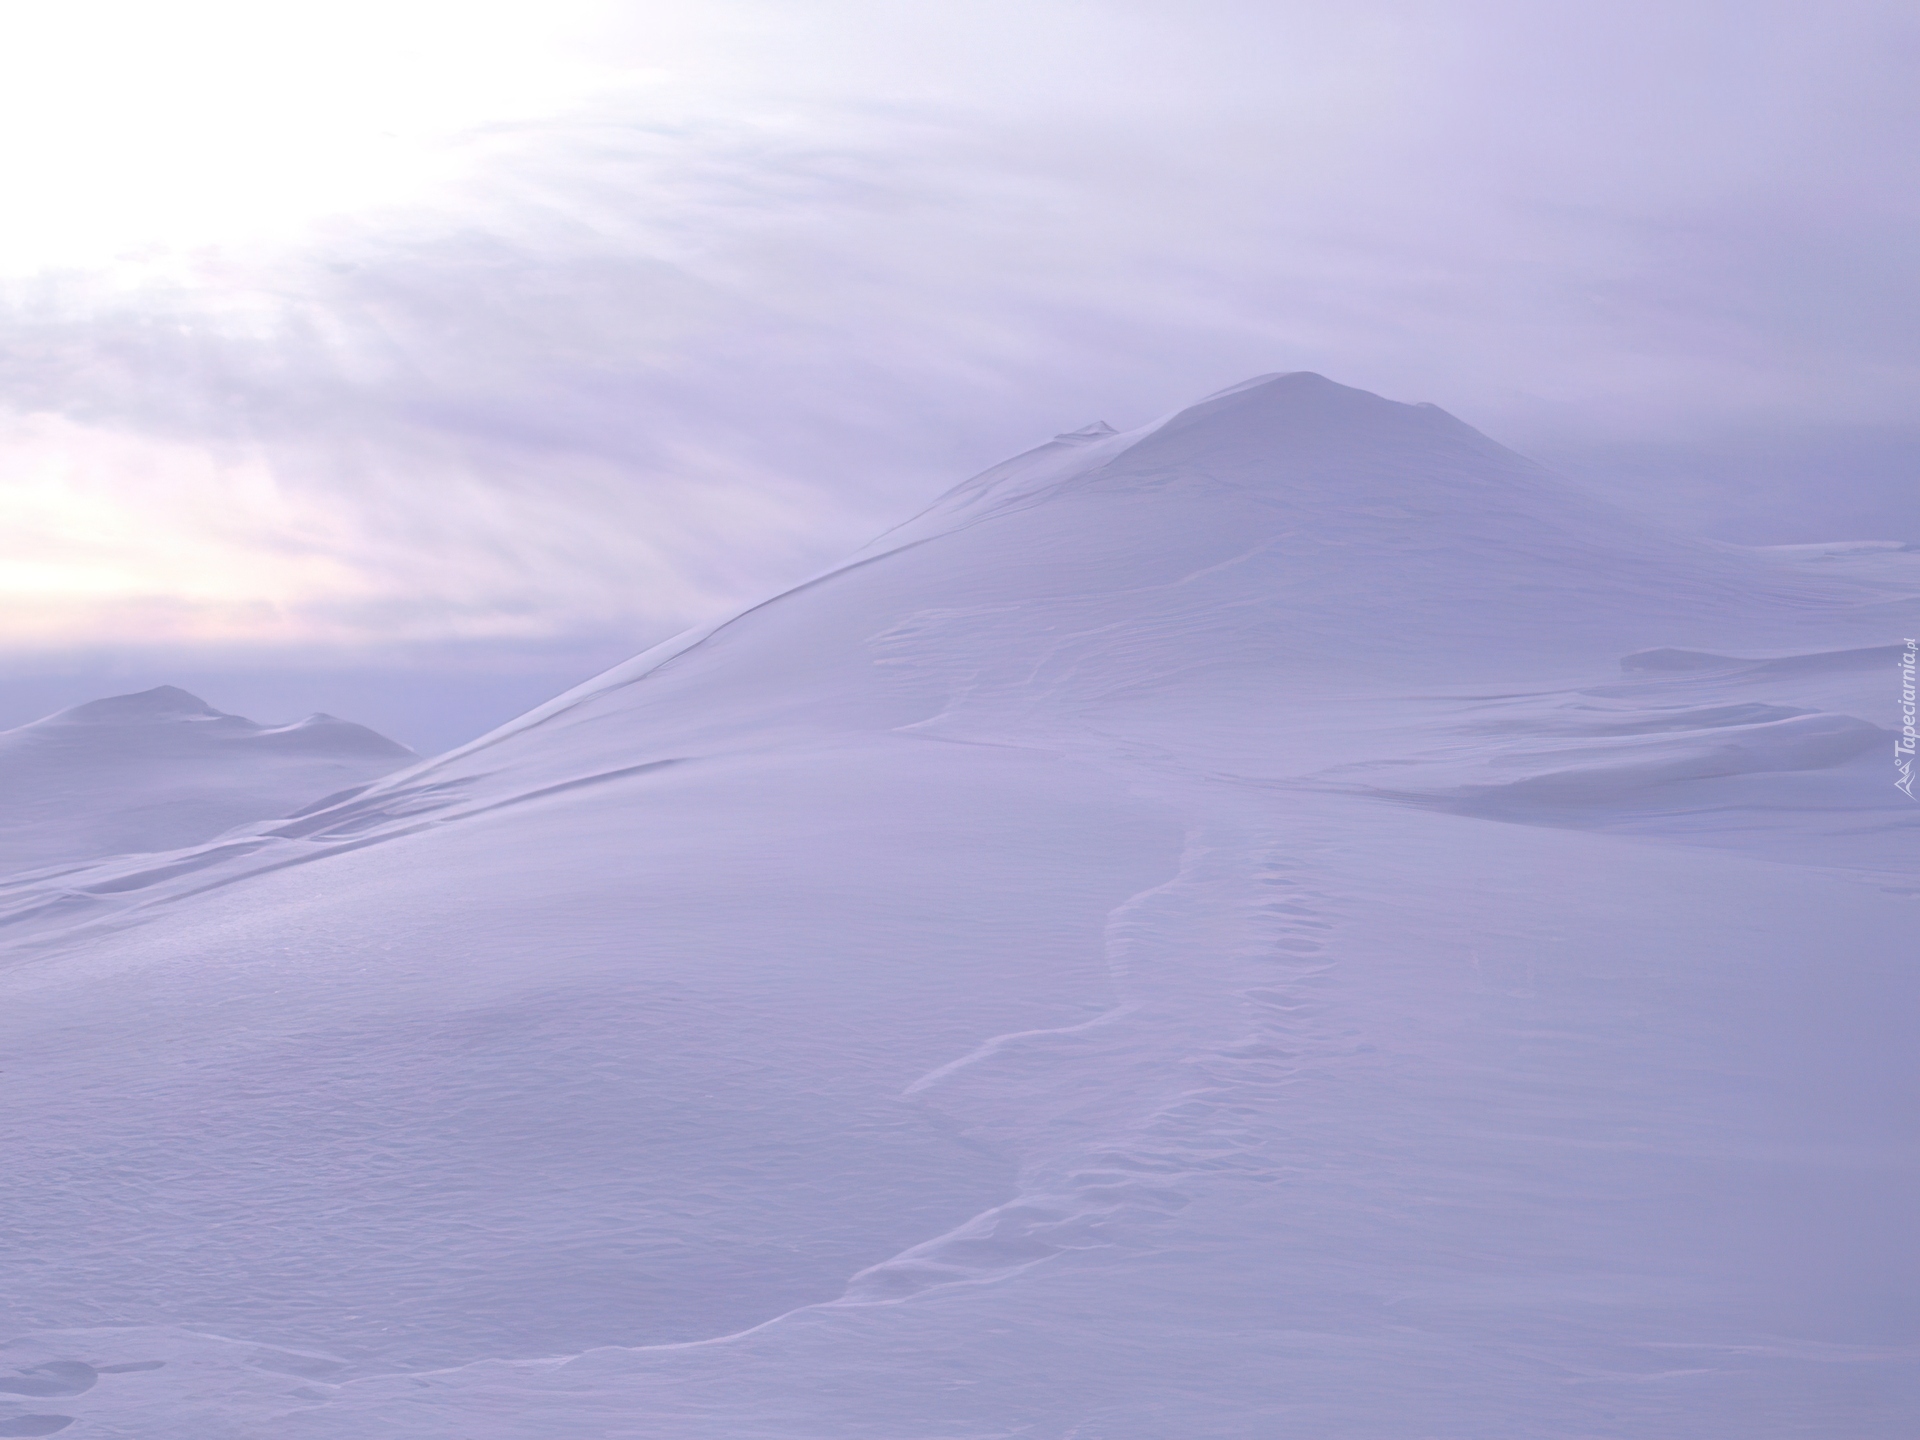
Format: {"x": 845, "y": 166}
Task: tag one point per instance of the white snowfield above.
{"x": 1197, "y": 935}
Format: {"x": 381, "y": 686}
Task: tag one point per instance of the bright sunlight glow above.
{"x": 128, "y": 127}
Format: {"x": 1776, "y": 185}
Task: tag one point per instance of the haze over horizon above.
{"x": 415, "y": 361}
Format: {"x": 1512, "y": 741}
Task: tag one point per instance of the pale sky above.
{"x": 336, "y": 335}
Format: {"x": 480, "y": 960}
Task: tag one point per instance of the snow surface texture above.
{"x": 163, "y": 769}
{"x": 1200, "y": 934}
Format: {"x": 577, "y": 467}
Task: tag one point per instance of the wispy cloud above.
{"x": 735, "y": 288}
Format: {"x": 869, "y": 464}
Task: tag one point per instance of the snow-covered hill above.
{"x": 163, "y": 769}
{"x": 1072, "y": 971}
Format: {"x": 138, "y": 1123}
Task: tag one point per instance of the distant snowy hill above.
{"x": 1286, "y": 921}
{"x": 163, "y": 769}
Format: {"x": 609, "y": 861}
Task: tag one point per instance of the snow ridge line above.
{"x": 90, "y": 892}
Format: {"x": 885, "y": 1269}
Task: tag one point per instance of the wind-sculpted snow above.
{"x": 1282, "y": 922}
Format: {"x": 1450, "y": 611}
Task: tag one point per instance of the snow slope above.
{"x": 163, "y": 769}
{"x": 1197, "y": 934}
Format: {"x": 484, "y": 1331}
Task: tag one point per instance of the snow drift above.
{"x": 1069, "y": 971}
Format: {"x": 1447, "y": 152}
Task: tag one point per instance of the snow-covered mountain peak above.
{"x": 1301, "y": 437}
{"x": 1285, "y": 538}
{"x": 162, "y": 768}
{"x": 1326, "y": 451}
{"x": 1297, "y": 379}
{"x": 159, "y": 705}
